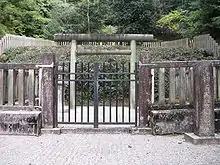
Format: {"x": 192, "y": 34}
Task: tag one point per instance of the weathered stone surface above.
{"x": 20, "y": 122}
{"x": 49, "y": 109}
{"x": 56, "y": 131}
{"x": 204, "y": 99}
{"x": 172, "y": 121}
{"x": 145, "y": 84}
{"x": 197, "y": 140}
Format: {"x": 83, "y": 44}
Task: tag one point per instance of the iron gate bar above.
{"x": 123, "y": 110}
{"x": 88, "y": 93}
{"x": 81, "y": 86}
{"x": 69, "y": 93}
{"x": 104, "y": 93}
{"x": 110, "y": 106}
{"x": 136, "y": 94}
{"x": 96, "y": 99}
{"x": 129, "y": 101}
{"x": 76, "y": 76}
{"x": 63, "y": 76}
{"x": 117, "y": 95}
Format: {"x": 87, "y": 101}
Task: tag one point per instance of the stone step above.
{"x": 20, "y": 123}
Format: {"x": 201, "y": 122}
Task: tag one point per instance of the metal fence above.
{"x": 102, "y": 94}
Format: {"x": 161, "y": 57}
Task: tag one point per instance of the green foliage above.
{"x": 134, "y": 16}
{"x": 177, "y": 54}
{"x": 21, "y": 17}
{"x": 196, "y": 17}
{"x": 182, "y": 22}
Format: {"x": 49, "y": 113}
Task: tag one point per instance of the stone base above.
{"x": 194, "y": 139}
{"x": 171, "y": 121}
{"x": 20, "y": 122}
{"x": 56, "y": 131}
{"x": 96, "y": 130}
{"x": 141, "y": 130}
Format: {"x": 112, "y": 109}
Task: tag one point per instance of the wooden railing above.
{"x": 19, "y": 85}
{"x": 205, "y": 42}
{"x": 9, "y": 41}
{"x": 173, "y": 84}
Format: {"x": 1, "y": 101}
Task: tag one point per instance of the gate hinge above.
{"x": 45, "y": 66}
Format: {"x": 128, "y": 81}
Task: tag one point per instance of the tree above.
{"x": 83, "y": 16}
{"x": 198, "y": 17}
{"x": 21, "y": 17}
{"x": 134, "y": 16}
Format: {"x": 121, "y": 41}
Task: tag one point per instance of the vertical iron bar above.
{"x": 110, "y": 95}
{"x": 104, "y": 93}
{"x": 136, "y": 93}
{"x": 81, "y": 89}
{"x": 88, "y": 94}
{"x": 69, "y": 90}
{"x": 63, "y": 101}
{"x": 76, "y": 82}
{"x": 96, "y": 99}
{"x": 129, "y": 94}
{"x": 117, "y": 93}
{"x": 123, "y": 98}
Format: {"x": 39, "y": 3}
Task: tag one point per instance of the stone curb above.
{"x": 197, "y": 140}
{"x": 56, "y": 131}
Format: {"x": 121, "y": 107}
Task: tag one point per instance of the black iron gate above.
{"x": 102, "y": 94}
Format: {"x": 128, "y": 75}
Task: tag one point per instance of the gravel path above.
{"x": 104, "y": 149}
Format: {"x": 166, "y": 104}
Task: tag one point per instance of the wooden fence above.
{"x": 9, "y": 41}
{"x": 173, "y": 84}
{"x": 19, "y": 85}
{"x": 205, "y": 42}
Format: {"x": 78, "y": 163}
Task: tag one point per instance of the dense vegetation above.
{"x": 43, "y": 18}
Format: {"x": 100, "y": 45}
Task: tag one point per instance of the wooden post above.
{"x": 183, "y": 86}
{"x": 72, "y": 70}
{"x": 132, "y": 71}
{"x": 21, "y": 89}
{"x": 11, "y": 84}
{"x": 40, "y": 86}
{"x": 162, "y": 86}
{"x": 218, "y": 83}
{"x": 49, "y": 111}
{"x": 31, "y": 87}
{"x": 172, "y": 93}
{"x": 152, "y": 88}
{"x": 2, "y": 87}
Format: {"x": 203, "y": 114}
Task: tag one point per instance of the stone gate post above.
{"x": 204, "y": 99}
{"x": 145, "y": 88}
{"x": 48, "y": 91}
{"x": 204, "y": 105}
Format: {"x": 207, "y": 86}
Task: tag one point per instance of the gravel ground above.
{"x": 104, "y": 149}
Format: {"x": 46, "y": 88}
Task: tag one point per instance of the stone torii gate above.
{"x": 74, "y": 38}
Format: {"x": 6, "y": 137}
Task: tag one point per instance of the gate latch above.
{"x": 45, "y": 66}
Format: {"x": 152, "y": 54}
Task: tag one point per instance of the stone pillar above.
{"x": 145, "y": 89}
{"x": 204, "y": 99}
{"x": 73, "y": 70}
{"x": 49, "y": 111}
{"x": 132, "y": 71}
